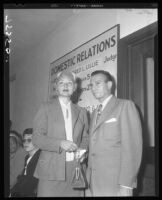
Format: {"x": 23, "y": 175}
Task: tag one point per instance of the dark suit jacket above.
{"x": 49, "y": 130}
{"x": 27, "y": 184}
{"x": 115, "y": 148}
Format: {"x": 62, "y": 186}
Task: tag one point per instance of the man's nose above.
{"x": 65, "y": 85}
{"x": 93, "y": 88}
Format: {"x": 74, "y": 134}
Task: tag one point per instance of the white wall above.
{"x": 131, "y": 20}
{"x": 31, "y": 86}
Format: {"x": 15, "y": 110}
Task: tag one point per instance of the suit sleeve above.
{"x": 85, "y": 136}
{"x": 40, "y": 129}
{"x": 131, "y": 145}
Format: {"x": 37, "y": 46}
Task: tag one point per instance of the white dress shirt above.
{"x": 27, "y": 164}
{"x": 104, "y": 103}
{"x": 66, "y": 109}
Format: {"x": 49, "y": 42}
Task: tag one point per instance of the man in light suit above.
{"x": 60, "y": 128}
{"x": 115, "y": 146}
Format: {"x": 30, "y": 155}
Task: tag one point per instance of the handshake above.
{"x": 70, "y": 146}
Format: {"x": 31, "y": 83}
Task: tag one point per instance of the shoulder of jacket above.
{"x": 77, "y": 106}
{"x": 82, "y": 110}
{"x": 38, "y": 152}
{"x": 49, "y": 103}
{"x": 124, "y": 100}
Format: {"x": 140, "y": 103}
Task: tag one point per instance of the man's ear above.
{"x": 109, "y": 84}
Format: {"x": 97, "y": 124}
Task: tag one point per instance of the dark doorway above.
{"x": 136, "y": 80}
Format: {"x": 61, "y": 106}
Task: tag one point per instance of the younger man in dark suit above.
{"x": 26, "y": 185}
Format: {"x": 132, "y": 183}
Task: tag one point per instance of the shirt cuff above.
{"x": 126, "y": 187}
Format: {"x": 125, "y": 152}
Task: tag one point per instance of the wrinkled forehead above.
{"x": 66, "y": 76}
{"x": 98, "y": 77}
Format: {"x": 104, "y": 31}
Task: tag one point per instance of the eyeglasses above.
{"x": 69, "y": 84}
{"x": 28, "y": 140}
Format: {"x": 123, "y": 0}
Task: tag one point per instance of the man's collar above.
{"x": 106, "y": 101}
{"x": 34, "y": 151}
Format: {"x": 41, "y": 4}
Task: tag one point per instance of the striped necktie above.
{"x": 25, "y": 165}
{"x": 99, "y": 110}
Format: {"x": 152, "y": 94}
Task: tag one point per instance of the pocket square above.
{"x": 111, "y": 120}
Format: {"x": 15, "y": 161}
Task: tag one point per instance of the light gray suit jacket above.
{"x": 115, "y": 148}
{"x": 49, "y": 130}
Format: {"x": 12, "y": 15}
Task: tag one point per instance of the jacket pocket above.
{"x": 111, "y": 130}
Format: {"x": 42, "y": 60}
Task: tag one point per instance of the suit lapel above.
{"x": 107, "y": 111}
{"x": 57, "y": 111}
{"x": 32, "y": 160}
{"x": 93, "y": 117}
{"x": 34, "y": 156}
{"x": 75, "y": 114}
{"x": 58, "y": 115}
{"x": 58, "y": 118}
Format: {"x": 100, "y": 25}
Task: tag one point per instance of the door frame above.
{"x": 123, "y": 85}
{"x": 123, "y": 64}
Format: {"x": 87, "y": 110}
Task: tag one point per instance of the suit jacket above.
{"x": 49, "y": 130}
{"x": 16, "y": 165}
{"x": 115, "y": 148}
{"x": 27, "y": 184}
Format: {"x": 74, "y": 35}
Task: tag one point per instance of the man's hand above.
{"x": 123, "y": 191}
{"x": 68, "y": 145}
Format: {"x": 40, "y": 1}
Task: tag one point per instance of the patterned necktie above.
{"x": 99, "y": 110}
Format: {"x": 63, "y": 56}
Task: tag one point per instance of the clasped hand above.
{"x": 68, "y": 146}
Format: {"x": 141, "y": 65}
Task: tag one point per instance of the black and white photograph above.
{"x": 80, "y": 100}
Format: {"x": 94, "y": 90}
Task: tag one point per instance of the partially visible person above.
{"x": 26, "y": 185}
{"x": 115, "y": 148}
{"x": 17, "y": 156}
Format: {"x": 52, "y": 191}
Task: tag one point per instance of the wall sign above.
{"x": 96, "y": 54}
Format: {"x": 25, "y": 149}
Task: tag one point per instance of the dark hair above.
{"x": 17, "y": 136}
{"x": 28, "y": 131}
{"x": 107, "y": 74}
